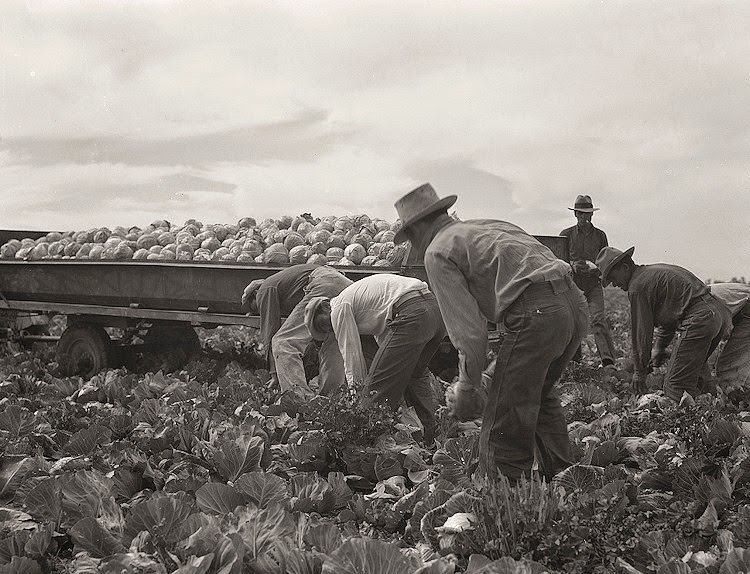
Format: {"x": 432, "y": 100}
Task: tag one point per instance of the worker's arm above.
{"x": 347, "y": 334}
{"x": 642, "y": 331}
{"x": 662, "y": 338}
{"x": 466, "y": 326}
{"x": 267, "y": 300}
{"x": 605, "y": 243}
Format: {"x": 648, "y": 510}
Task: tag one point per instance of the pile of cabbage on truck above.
{"x": 345, "y": 240}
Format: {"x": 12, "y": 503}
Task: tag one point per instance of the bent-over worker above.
{"x": 671, "y": 297}
{"x": 403, "y": 316}
{"x": 285, "y": 294}
{"x": 488, "y": 270}
{"x": 733, "y": 362}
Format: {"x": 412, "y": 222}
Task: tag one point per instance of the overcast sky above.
{"x": 123, "y": 112}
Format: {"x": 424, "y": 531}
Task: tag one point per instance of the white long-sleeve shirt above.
{"x": 363, "y": 308}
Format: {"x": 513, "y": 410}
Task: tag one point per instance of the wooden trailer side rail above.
{"x": 199, "y": 318}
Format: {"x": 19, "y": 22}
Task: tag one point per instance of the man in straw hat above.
{"x": 403, "y": 316}
{"x": 285, "y": 294}
{"x": 585, "y": 241}
{"x": 489, "y": 270}
{"x": 671, "y": 297}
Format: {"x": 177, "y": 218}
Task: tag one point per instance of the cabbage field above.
{"x": 208, "y": 470}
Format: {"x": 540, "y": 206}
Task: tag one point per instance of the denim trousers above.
{"x": 290, "y": 341}
{"x": 733, "y": 364}
{"x": 399, "y": 370}
{"x": 700, "y": 330}
{"x": 545, "y": 326}
{"x": 600, "y": 324}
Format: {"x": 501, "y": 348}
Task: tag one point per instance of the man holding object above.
{"x": 489, "y": 270}
{"x": 585, "y": 241}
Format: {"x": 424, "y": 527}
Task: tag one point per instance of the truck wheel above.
{"x": 84, "y": 350}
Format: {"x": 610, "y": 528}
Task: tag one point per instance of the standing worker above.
{"x": 285, "y": 294}
{"x": 403, "y": 316}
{"x": 585, "y": 242}
{"x": 488, "y": 270}
{"x": 670, "y": 297}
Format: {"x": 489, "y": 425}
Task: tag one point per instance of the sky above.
{"x": 124, "y": 112}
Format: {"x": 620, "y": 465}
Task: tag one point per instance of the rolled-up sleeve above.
{"x": 347, "y": 334}
{"x": 465, "y": 323}
{"x": 642, "y": 327}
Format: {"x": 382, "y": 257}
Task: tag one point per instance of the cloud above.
{"x": 479, "y": 191}
{"x": 157, "y": 193}
{"x": 74, "y": 197}
{"x": 302, "y": 139}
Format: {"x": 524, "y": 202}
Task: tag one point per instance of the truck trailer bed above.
{"x": 192, "y": 291}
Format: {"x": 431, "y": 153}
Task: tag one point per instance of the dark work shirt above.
{"x": 279, "y": 295}
{"x": 477, "y": 268}
{"x": 585, "y": 246}
{"x": 659, "y": 294}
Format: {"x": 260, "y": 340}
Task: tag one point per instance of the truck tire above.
{"x": 84, "y": 350}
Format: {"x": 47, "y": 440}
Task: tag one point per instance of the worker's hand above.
{"x": 248, "y": 296}
{"x": 639, "y": 383}
{"x": 580, "y": 267}
{"x": 489, "y": 373}
{"x": 658, "y": 357}
{"x": 465, "y": 401}
{"x": 593, "y": 270}
{"x": 273, "y": 382}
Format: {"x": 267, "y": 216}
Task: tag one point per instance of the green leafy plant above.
{"x": 515, "y": 517}
{"x": 348, "y": 420}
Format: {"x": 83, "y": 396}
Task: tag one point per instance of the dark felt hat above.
{"x": 608, "y": 257}
{"x": 583, "y": 203}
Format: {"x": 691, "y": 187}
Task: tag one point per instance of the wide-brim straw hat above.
{"x": 311, "y": 309}
{"x": 608, "y": 257}
{"x": 583, "y": 203}
{"x": 419, "y": 203}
